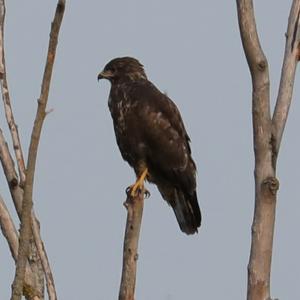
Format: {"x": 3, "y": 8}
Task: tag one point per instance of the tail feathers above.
{"x": 186, "y": 208}
{"x": 187, "y": 211}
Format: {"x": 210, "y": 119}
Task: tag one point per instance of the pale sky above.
{"x": 192, "y": 51}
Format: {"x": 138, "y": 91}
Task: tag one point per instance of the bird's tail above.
{"x": 186, "y": 209}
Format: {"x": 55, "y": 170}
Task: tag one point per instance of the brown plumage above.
{"x": 150, "y": 134}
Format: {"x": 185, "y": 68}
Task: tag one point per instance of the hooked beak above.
{"x": 105, "y": 75}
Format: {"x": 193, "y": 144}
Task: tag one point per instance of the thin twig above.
{"x": 291, "y": 57}
{"x": 6, "y": 101}
{"x": 2, "y": 14}
{"x": 10, "y": 174}
{"x": 25, "y": 231}
{"x": 9, "y": 231}
{"x": 134, "y": 207}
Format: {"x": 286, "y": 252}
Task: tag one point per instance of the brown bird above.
{"x": 152, "y": 138}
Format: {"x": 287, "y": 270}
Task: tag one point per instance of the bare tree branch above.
{"x": 17, "y": 196}
{"x": 256, "y": 59}
{"x": 290, "y": 60}
{"x": 44, "y": 260}
{"x": 9, "y": 231}
{"x": 267, "y": 134}
{"x": 265, "y": 199}
{"x": 25, "y": 231}
{"x": 134, "y": 207}
{"x": 6, "y": 100}
{"x": 2, "y": 15}
{"x": 10, "y": 174}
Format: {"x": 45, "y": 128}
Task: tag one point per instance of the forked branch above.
{"x": 25, "y": 231}
{"x": 17, "y": 196}
{"x": 267, "y": 135}
{"x": 8, "y": 164}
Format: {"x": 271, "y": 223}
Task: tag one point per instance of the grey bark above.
{"x": 267, "y": 135}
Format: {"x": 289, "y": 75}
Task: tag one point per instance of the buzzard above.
{"x": 152, "y": 138}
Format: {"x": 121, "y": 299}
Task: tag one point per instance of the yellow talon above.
{"x": 139, "y": 184}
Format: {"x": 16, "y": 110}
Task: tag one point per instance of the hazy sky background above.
{"x": 192, "y": 51}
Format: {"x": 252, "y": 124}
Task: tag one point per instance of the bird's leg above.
{"x": 139, "y": 184}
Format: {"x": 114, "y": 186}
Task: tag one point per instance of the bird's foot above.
{"x": 131, "y": 193}
{"x": 138, "y": 186}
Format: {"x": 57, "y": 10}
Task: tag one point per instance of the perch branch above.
{"x": 134, "y": 207}
{"x": 291, "y": 57}
{"x": 25, "y": 231}
{"x": 6, "y": 100}
{"x": 9, "y": 231}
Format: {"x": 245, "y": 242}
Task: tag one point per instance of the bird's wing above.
{"x": 168, "y": 154}
{"x": 163, "y": 131}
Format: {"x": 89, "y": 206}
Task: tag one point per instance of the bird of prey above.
{"x": 152, "y": 138}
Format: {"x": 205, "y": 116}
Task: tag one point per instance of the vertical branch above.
{"x": 8, "y": 165}
{"x": 266, "y": 184}
{"x": 25, "y": 231}
{"x": 6, "y": 100}
{"x": 267, "y": 138}
{"x": 134, "y": 207}
{"x": 2, "y": 16}
{"x": 6, "y": 159}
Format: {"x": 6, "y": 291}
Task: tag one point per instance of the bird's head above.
{"x": 123, "y": 69}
